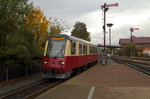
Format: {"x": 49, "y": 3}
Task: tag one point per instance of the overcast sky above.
{"x": 129, "y": 13}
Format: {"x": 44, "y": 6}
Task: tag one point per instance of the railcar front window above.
{"x": 56, "y": 49}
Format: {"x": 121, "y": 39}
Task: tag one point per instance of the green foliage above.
{"x": 12, "y": 13}
{"x": 126, "y": 51}
{"x": 80, "y": 31}
{"x": 56, "y": 26}
{"x": 17, "y": 46}
{"x": 120, "y": 52}
{"x": 13, "y": 31}
{"x": 89, "y": 37}
{"x": 134, "y": 49}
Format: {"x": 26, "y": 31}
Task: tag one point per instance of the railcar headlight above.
{"x": 45, "y": 62}
{"x": 61, "y": 62}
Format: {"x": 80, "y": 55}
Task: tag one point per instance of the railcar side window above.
{"x": 93, "y": 50}
{"x": 80, "y": 49}
{"x": 84, "y": 49}
{"x": 96, "y": 50}
{"x": 73, "y": 48}
{"x": 90, "y": 50}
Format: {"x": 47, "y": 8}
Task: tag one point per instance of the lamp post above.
{"x": 110, "y": 25}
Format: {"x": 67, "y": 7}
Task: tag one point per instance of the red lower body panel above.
{"x": 67, "y": 63}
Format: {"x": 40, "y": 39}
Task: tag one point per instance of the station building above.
{"x": 142, "y": 42}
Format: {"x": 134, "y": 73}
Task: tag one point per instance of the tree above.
{"x": 12, "y": 13}
{"x": 89, "y": 36}
{"x": 127, "y": 50}
{"x": 80, "y": 31}
{"x": 38, "y": 25}
{"x": 17, "y": 46}
{"x": 120, "y": 52}
{"x": 56, "y": 26}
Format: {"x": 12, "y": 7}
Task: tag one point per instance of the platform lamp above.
{"x": 110, "y": 25}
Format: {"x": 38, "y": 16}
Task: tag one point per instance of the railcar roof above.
{"x": 70, "y": 38}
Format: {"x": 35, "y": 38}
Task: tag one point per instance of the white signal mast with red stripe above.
{"x": 132, "y": 29}
{"x": 105, "y": 7}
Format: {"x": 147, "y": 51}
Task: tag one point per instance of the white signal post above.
{"x": 105, "y": 7}
{"x": 132, "y": 29}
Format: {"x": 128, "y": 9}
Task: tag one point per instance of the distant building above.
{"x": 142, "y": 42}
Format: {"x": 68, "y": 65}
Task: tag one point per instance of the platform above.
{"x": 103, "y": 82}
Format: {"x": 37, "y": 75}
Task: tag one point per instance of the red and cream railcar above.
{"x": 64, "y": 54}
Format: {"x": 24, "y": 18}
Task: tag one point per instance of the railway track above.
{"x": 32, "y": 90}
{"x": 142, "y": 67}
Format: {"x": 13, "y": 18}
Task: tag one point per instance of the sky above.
{"x": 129, "y": 13}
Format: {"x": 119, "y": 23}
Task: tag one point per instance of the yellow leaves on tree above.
{"x": 56, "y": 26}
{"x": 55, "y": 30}
{"x": 38, "y": 25}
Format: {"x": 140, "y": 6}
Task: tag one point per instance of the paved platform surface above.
{"x": 103, "y": 82}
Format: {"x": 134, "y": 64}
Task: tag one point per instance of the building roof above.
{"x": 137, "y": 40}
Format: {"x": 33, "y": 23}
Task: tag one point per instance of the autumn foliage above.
{"x": 38, "y": 24}
{"x": 23, "y": 29}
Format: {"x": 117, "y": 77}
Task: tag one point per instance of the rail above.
{"x": 140, "y": 66}
{"x": 32, "y": 90}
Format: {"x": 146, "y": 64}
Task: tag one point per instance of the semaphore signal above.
{"x": 110, "y": 5}
{"x": 105, "y": 8}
